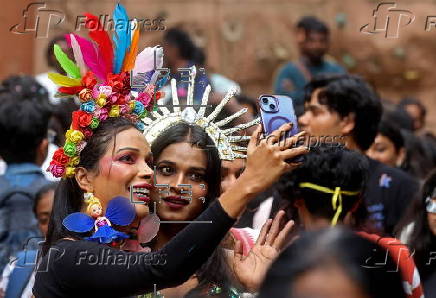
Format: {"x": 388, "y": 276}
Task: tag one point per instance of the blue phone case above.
{"x": 284, "y": 112}
{"x": 273, "y": 118}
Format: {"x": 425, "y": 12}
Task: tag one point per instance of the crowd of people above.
{"x": 354, "y": 217}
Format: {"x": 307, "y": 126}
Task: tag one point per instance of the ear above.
{"x": 85, "y": 179}
{"x": 347, "y": 124}
{"x": 401, "y": 157}
{"x": 41, "y": 152}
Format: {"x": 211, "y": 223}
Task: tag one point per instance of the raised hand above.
{"x": 251, "y": 270}
{"x": 266, "y": 158}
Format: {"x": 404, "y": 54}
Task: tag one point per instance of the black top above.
{"x": 388, "y": 194}
{"x": 82, "y": 268}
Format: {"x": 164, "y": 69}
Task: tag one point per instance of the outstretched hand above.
{"x": 251, "y": 270}
{"x": 266, "y": 157}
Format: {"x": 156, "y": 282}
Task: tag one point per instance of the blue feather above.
{"x": 120, "y": 211}
{"x": 121, "y": 37}
{"x": 78, "y": 222}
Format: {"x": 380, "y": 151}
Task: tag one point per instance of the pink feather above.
{"x": 102, "y": 39}
{"x": 145, "y": 61}
{"x": 78, "y": 55}
{"x": 90, "y": 56}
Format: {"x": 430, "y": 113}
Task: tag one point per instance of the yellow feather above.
{"x": 129, "y": 59}
{"x": 61, "y": 80}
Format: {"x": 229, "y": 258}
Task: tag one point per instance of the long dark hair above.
{"x": 68, "y": 194}
{"x": 421, "y": 241}
{"x": 196, "y": 136}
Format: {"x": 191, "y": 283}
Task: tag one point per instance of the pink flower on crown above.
{"x": 87, "y": 132}
{"x": 145, "y": 98}
{"x": 56, "y": 169}
{"x": 106, "y": 90}
{"x": 124, "y": 109}
{"x": 102, "y": 114}
{"x": 95, "y": 91}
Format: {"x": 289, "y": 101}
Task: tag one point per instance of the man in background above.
{"x": 346, "y": 106}
{"x": 313, "y": 43}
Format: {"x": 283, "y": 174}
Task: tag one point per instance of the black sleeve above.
{"x": 74, "y": 268}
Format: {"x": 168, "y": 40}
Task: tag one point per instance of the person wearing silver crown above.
{"x": 106, "y": 158}
{"x": 188, "y": 147}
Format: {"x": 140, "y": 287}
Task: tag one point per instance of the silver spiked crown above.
{"x": 225, "y": 140}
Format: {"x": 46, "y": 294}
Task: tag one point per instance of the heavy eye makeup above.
{"x": 168, "y": 168}
{"x": 130, "y": 156}
{"x": 126, "y": 155}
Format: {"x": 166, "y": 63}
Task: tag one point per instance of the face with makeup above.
{"x": 127, "y": 162}
{"x": 180, "y": 165}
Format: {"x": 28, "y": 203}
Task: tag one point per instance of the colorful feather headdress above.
{"x": 101, "y": 78}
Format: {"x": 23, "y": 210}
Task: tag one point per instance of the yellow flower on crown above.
{"x": 115, "y": 111}
{"x": 74, "y": 136}
{"x": 74, "y": 161}
{"x": 70, "y": 171}
{"x": 101, "y": 100}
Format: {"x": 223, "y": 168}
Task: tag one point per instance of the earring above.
{"x": 87, "y": 196}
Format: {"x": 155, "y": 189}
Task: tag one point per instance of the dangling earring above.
{"x": 87, "y": 196}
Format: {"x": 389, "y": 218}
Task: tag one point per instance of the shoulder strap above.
{"x": 21, "y": 274}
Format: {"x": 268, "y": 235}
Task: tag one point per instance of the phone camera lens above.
{"x": 265, "y": 100}
{"x": 272, "y": 106}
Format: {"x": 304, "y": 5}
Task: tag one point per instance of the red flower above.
{"x": 89, "y": 80}
{"x": 81, "y": 119}
{"x": 120, "y": 83}
{"x": 87, "y": 132}
{"x": 60, "y": 157}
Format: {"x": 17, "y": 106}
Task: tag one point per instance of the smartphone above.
{"x": 276, "y": 110}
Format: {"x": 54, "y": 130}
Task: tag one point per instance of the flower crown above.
{"x": 101, "y": 78}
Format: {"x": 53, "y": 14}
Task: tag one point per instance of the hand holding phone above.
{"x": 276, "y": 110}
